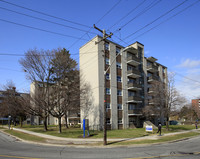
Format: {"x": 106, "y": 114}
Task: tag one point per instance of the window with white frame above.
{"x": 119, "y": 106}
{"x": 107, "y": 61}
{"x": 107, "y": 120}
{"x": 118, "y": 50}
{"x": 119, "y": 79}
{"x": 120, "y": 121}
{"x": 107, "y": 90}
{"x": 106, "y": 46}
{"x": 119, "y": 92}
{"x": 107, "y": 76}
{"x": 118, "y": 65}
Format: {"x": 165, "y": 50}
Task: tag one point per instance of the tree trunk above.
{"x": 59, "y": 124}
{"x": 66, "y": 123}
{"x": 167, "y": 122}
{"x": 45, "y": 124}
{"x": 21, "y": 123}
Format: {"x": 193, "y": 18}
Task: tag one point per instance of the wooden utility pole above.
{"x": 105, "y": 36}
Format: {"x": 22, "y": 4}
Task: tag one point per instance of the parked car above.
{"x": 173, "y": 122}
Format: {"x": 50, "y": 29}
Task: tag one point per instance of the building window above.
{"x": 119, "y": 106}
{"x": 129, "y": 68}
{"x": 107, "y": 105}
{"x": 117, "y": 50}
{"x": 107, "y": 76}
{"x": 130, "y": 93}
{"x": 119, "y": 92}
{"x": 118, "y": 65}
{"x": 107, "y": 61}
{"x": 119, "y": 79}
{"x": 131, "y": 106}
{"x": 106, "y": 46}
{"x": 131, "y": 80}
{"x": 120, "y": 121}
{"x": 107, "y": 90}
{"x": 107, "y": 120}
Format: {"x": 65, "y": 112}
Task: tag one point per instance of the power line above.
{"x": 8, "y": 54}
{"x": 46, "y": 20}
{"x": 30, "y": 27}
{"x": 108, "y": 11}
{"x": 166, "y": 20}
{"x": 139, "y": 14}
{"x": 52, "y": 16}
{"x": 156, "y": 19}
{"x": 127, "y": 14}
{"x": 96, "y": 23}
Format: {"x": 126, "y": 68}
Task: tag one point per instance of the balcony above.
{"x": 133, "y": 99}
{"x": 131, "y": 50}
{"x": 152, "y": 68}
{"x": 134, "y": 86}
{"x": 133, "y": 73}
{"x": 152, "y": 78}
{"x": 133, "y": 60}
{"x": 150, "y": 90}
{"x": 135, "y": 112}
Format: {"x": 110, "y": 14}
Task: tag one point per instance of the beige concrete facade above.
{"x": 128, "y": 82}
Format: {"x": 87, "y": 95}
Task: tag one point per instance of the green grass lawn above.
{"x": 126, "y": 133}
{"x": 25, "y": 136}
{"x": 162, "y": 139}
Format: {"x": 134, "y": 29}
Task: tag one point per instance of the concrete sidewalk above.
{"x": 82, "y": 141}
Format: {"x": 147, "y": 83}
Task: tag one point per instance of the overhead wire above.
{"x": 47, "y": 31}
{"x": 139, "y": 14}
{"x": 165, "y": 20}
{"x": 46, "y": 14}
{"x": 140, "y": 4}
{"x": 67, "y": 26}
{"x": 169, "y": 11}
{"x": 8, "y": 54}
{"x": 96, "y": 23}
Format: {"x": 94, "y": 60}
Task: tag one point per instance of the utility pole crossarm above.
{"x": 105, "y": 36}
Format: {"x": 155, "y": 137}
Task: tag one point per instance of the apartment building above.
{"x": 196, "y": 106}
{"x": 128, "y": 82}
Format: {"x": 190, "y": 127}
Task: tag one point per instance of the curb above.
{"x": 92, "y": 146}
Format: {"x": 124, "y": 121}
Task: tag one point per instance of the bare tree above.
{"x": 36, "y": 65}
{"x": 12, "y": 103}
{"x": 165, "y": 99}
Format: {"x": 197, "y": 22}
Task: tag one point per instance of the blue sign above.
{"x": 149, "y": 128}
{"x": 83, "y": 127}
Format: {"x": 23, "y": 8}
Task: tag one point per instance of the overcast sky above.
{"x": 169, "y": 30}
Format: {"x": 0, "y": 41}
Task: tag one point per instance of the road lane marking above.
{"x": 18, "y": 157}
{"x": 174, "y": 155}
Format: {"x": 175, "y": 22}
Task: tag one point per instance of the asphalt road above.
{"x": 10, "y": 148}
